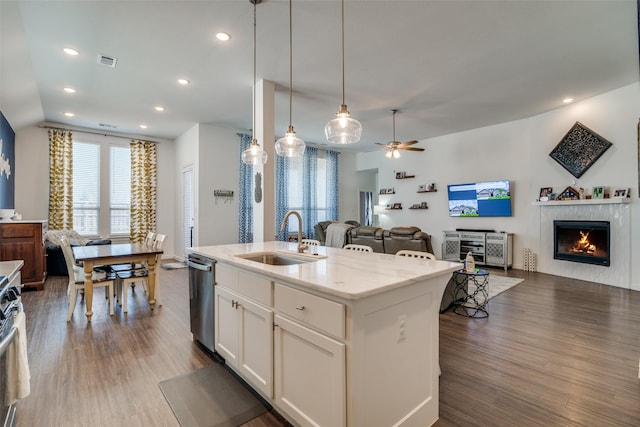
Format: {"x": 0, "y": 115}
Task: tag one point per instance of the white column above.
{"x": 264, "y": 212}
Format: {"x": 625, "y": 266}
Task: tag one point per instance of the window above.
{"x": 311, "y": 189}
{"x": 101, "y": 177}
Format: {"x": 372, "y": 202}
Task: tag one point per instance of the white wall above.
{"x": 518, "y": 151}
{"x": 32, "y": 177}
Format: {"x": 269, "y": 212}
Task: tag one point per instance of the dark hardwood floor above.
{"x": 553, "y": 352}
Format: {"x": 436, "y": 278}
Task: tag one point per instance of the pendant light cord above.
{"x": 290, "y": 64}
{"x": 342, "y": 13}
{"x": 254, "y": 71}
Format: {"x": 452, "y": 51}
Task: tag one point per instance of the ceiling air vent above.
{"x": 107, "y": 60}
{"x": 107, "y": 125}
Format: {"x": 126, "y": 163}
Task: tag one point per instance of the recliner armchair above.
{"x": 406, "y": 237}
{"x": 320, "y": 229}
{"x": 369, "y": 236}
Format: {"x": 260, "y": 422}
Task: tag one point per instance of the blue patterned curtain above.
{"x": 332, "y": 184}
{"x": 309, "y": 191}
{"x": 245, "y": 204}
{"x": 282, "y": 194}
{"x": 368, "y": 208}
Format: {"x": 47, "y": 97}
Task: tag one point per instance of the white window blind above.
{"x": 86, "y": 187}
{"x": 120, "y": 189}
{"x": 296, "y": 189}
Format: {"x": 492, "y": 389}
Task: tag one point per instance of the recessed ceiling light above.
{"x": 69, "y": 90}
{"x": 69, "y": 114}
{"x": 183, "y": 82}
{"x": 70, "y": 51}
{"x": 567, "y": 100}
{"x": 159, "y": 108}
{"x": 143, "y": 126}
{"x": 223, "y": 36}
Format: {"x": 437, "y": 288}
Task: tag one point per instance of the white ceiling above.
{"x": 447, "y": 66}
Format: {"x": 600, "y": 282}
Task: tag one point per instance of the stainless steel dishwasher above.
{"x": 201, "y": 281}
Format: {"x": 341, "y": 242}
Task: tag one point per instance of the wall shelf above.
{"x": 418, "y": 208}
{"x": 427, "y": 191}
{"x": 612, "y": 201}
{"x": 405, "y": 177}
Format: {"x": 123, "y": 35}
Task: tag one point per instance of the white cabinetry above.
{"x": 310, "y": 366}
{"x": 243, "y": 331}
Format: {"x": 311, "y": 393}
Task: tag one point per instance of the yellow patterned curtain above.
{"x": 60, "y": 180}
{"x": 143, "y": 189}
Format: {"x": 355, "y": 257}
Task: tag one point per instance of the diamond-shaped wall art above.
{"x": 579, "y": 149}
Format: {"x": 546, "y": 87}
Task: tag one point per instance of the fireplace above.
{"x": 582, "y": 241}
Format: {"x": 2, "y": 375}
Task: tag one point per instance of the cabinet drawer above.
{"x": 226, "y": 276}
{"x": 17, "y": 231}
{"x": 318, "y": 312}
{"x": 255, "y": 287}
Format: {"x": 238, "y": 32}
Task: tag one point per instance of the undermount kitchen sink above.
{"x": 279, "y": 258}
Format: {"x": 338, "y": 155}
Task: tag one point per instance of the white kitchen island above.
{"x": 345, "y": 339}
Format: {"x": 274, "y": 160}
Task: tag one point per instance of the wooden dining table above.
{"x": 119, "y": 253}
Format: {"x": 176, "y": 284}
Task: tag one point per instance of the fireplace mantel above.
{"x": 613, "y": 201}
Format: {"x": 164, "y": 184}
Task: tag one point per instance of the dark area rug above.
{"x": 211, "y": 397}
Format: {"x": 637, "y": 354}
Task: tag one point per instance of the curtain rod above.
{"x": 95, "y": 133}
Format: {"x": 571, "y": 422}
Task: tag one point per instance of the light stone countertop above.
{"x": 339, "y": 272}
{"x": 8, "y": 268}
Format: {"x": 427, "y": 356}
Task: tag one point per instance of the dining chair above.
{"x": 415, "y": 254}
{"x": 310, "y": 242}
{"x": 76, "y": 279}
{"x": 358, "y": 248}
{"x": 131, "y": 277}
{"x": 128, "y": 266}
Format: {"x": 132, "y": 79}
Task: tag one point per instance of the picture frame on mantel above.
{"x": 598, "y": 192}
{"x": 620, "y": 193}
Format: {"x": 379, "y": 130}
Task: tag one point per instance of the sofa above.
{"x": 392, "y": 240}
{"x": 56, "y": 265}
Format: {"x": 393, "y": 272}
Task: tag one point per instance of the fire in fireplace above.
{"x": 582, "y": 241}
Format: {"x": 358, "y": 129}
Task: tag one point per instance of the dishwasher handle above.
{"x": 198, "y": 266}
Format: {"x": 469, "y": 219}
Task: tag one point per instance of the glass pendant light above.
{"x": 290, "y": 145}
{"x": 254, "y": 155}
{"x": 343, "y": 129}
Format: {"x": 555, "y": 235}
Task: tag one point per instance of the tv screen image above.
{"x": 491, "y": 198}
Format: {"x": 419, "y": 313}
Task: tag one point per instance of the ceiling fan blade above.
{"x": 380, "y": 143}
{"x": 411, "y": 148}
{"x": 407, "y": 143}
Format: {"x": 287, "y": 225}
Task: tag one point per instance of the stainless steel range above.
{"x": 10, "y": 305}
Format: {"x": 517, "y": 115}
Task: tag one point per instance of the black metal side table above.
{"x": 474, "y": 288}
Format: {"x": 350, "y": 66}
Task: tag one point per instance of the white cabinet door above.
{"x": 244, "y": 338}
{"x": 255, "y": 361}
{"x": 226, "y": 325}
{"x": 310, "y": 375}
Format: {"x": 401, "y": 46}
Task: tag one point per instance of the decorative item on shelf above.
{"x": 387, "y": 191}
{"x": 569, "y": 193}
{"x": 544, "y": 194}
{"x": 396, "y": 206}
{"x": 290, "y": 145}
{"x": 254, "y": 155}
{"x": 343, "y": 129}
{"x": 422, "y": 205}
{"x": 403, "y": 175}
{"x": 621, "y": 193}
{"x": 226, "y": 195}
{"x": 579, "y": 149}
{"x": 581, "y": 191}
{"x": 598, "y": 192}
{"x": 431, "y": 188}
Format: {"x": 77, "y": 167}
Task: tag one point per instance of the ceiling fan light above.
{"x": 290, "y": 145}
{"x": 389, "y": 154}
{"x": 254, "y": 155}
{"x": 396, "y": 154}
{"x": 343, "y": 129}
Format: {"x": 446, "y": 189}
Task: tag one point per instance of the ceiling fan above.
{"x": 394, "y": 146}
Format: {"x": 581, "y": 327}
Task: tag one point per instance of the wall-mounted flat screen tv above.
{"x": 492, "y": 198}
